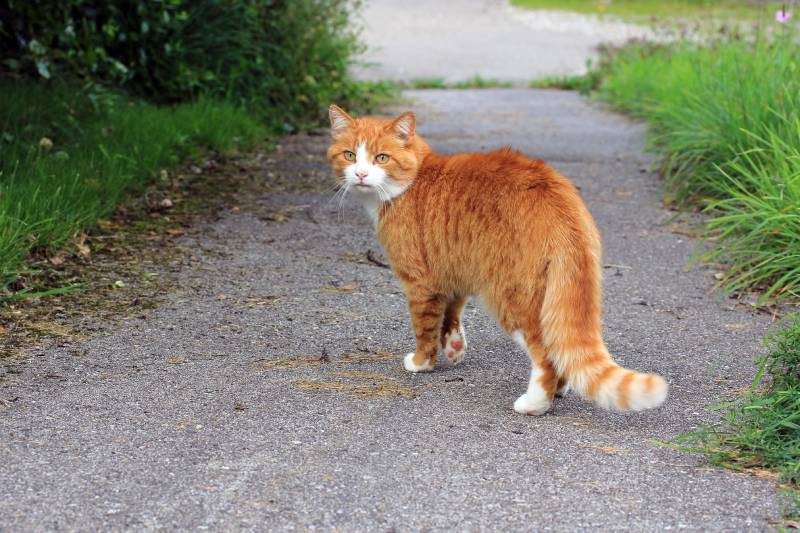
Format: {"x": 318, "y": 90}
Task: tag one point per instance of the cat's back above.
{"x": 494, "y": 175}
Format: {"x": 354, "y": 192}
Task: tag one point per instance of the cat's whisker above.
{"x": 337, "y": 189}
{"x": 382, "y": 193}
{"x": 338, "y": 184}
{"x": 346, "y": 188}
{"x": 339, "y": 198}
{"x": 341, "y": 190}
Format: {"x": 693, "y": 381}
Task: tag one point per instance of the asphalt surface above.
{"x": 205, "y": 415}
{"x": 455, "y": 40}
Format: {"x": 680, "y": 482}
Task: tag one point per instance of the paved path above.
{"x": 458, "y": 39}
{"x": 204, "y": 415}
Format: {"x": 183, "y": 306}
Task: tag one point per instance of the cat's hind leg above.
{"x": 453, "y": 341}
{"x": 543, "y": 381}
{"x": 427, "y": 315}
{"x": 562, "y": 388}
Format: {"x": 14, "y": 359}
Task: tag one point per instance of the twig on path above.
{"x": 374, "y": 260}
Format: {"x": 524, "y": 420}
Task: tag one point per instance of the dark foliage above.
{"x": 288, "y": 57}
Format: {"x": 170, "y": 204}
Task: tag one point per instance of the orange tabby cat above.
{"x": 502, "y": 227}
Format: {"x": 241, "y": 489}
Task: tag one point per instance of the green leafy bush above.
{"x": 286, "y": 59}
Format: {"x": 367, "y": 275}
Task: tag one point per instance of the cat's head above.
{"x": 375, "y": 157}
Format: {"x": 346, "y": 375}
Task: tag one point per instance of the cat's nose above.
{"x": 361, "y": 174}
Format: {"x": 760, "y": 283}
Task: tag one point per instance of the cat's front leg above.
{"x": 427, "y": 313}
{"x": 453, "y": 341}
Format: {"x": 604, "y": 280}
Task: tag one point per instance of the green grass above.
{"x": 762, "y": 429}
{"x": 582, "y": 83}
{"x": 639, "y": 9}
{"x": 427, "y": 83}
{"x": 478, "y": 82}
{"x": 725, "y": 121}
{"x": 104, "y": 147}
{"x": 475, "y": 82}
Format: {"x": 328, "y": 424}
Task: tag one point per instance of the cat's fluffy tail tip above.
{"x": 623, "y": 390}
{"x": 648, "y": 392}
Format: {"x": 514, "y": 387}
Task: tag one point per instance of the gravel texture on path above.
{"x": 267, "y": 392}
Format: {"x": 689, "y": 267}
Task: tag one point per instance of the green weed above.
{"x": 475, "y": 82}
{"x": 638, "y": 10}
{"x": 583, "y": 83}
{"x": 479, "y": 82}
{"x": 427, "y": 83}
{"x": 761, "y": 430}
{"x": 69, "y": 156}
{"x": 725, "y": 121}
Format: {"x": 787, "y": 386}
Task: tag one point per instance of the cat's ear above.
{"x": 404, "y": 126}
{"x": 340, "y": 121}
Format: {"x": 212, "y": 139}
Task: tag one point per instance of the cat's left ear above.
{"x": 404, "y": 126}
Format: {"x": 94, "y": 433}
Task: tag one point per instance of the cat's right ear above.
{"x": 340, "y": 121}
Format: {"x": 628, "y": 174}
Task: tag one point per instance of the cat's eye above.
{"x": 350, "y": 156}
{"x": 382, "y": 158}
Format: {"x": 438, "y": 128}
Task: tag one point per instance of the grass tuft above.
{"x": 762, "y": 429}
{"x": 725, "y": 121}
{"x": 475, "y": 82}
{"x": 69, "y": 156}
{"x": 583, "y": 83}
{"x": 427, "y": 83}
{"x": 479, "y": 82}
{"x": 642, "y": 10}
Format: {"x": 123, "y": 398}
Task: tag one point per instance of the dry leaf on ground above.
{"x": 347, "y": 288}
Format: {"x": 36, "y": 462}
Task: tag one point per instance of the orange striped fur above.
{"x": 499, "y": 226}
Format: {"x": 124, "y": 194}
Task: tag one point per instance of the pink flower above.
{"x": 783, "y": 16}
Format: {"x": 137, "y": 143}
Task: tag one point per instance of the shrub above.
{"x": 283, "y": 58}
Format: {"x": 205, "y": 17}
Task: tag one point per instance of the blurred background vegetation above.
{"x": 284, "y": 59}
{"x": 642, "y": 10}
{"x": 99, "y": 96}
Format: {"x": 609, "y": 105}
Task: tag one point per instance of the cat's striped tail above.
{"x": 598, "y": 378}
{"x": 571, "y": 327}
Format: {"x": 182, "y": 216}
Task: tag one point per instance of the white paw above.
{"x": 455, "y": 345}
{"x": 409, "y": 365}
{"x": 532, "y": 404}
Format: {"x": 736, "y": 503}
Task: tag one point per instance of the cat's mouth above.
{"x": 364, "y": 185}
